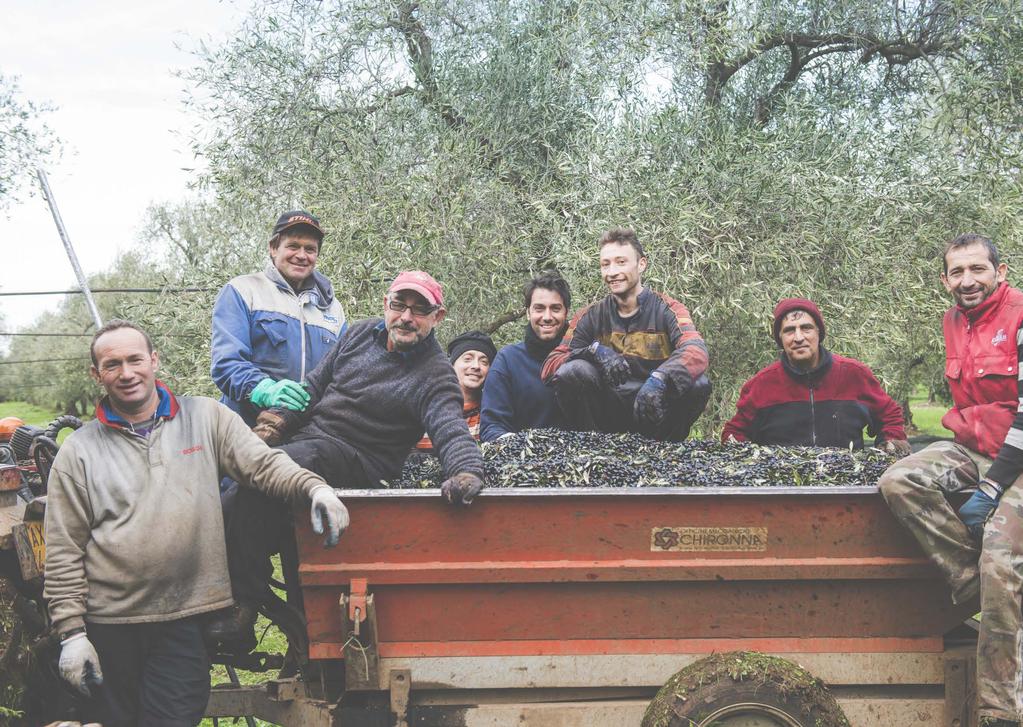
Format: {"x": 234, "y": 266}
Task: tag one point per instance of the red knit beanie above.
{"x": 789, "y": 305}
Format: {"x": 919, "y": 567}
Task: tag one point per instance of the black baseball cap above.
{"x": 295, "y": 218}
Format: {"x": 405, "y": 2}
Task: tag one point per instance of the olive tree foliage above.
{"x": 25, "y": 140}
{"x": 761, "y": 150}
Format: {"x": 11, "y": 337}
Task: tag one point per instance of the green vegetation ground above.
{"x": 927, "y": 417}
{"x": 32, "y": 414}
{"x": 28, "y": 413}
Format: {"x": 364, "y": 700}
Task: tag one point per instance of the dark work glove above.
{"x": 651, "y": 404}
{"x": 614, "y": 367}
{"x": 978, "y": 509}
{"x": 270, "y": 427}
{"x": 899, "y": 447}
{"x": 461, "y": 489}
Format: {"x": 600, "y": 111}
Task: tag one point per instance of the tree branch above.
{"x": 502, "y": 319}
{"x": 896, "y": 51}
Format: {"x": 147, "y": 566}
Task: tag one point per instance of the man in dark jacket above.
{"x": 811, "y": 397}
{"x": 633, "y": 361}
{"x": 514, "y": 395}
{"x": 384, "y": 383}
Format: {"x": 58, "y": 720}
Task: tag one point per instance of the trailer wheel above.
{"x": 744, "y": 689}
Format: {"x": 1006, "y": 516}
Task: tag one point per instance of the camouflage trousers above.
{"x": 916, "y": 490}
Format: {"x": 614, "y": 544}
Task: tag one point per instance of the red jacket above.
{"x": 826, "y": 407}
{"x": 981, "y": 367}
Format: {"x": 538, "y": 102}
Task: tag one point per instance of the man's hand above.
{"x": 461, "y": 489}
{"x": 978, "y": 509}
{"x": 899, "y": 447}
{"x": 328, "y": 508}
{"x": 284, "y": 393}
{"x": 79, "y": 663}
{"x": 651, "y": 405}
{"x": 614, "y": 367}
{"x": 270, "y": 427}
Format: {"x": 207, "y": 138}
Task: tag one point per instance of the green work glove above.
{"x": 284, "y": 393}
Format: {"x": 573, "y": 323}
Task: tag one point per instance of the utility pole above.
{"x": 82, "y": 282}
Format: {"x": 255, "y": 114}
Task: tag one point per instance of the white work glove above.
{"x": 328, "y": 508}
{"x": 79, "y": 663}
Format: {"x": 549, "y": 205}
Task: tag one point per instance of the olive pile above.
{"x": 556, "y": 458}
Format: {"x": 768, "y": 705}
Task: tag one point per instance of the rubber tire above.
{"x": 697, "y": 695}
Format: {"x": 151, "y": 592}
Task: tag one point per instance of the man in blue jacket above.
{"x": 271, "y": 328}
{"x": 514, "y": 396}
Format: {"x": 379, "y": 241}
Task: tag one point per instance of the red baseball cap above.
{"x": 420, "y": 282}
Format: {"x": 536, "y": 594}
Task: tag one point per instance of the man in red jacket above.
{"x": 981, "y": 549}
{"x": 811, "y": 397}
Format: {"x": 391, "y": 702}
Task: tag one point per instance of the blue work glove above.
{"x": 977, "y": 510}
{"x": 284, "y": 393}
{"x": 327, "y": 509}
{"x": 651, "y": 405}
{"x": 614, "y": 367}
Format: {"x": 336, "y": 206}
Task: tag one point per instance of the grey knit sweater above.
{"x": 380, "y": 402}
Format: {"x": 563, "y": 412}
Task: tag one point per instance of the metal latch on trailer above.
{"x": 359, "y": 623}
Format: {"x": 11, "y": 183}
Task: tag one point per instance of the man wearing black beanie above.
{"x": 471, "y": 354}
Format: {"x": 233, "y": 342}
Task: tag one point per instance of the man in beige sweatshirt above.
{"x": 135, "y": 535}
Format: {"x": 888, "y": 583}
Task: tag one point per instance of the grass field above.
{"x": 28, "y": 413}
{"x": 927, "y": 418}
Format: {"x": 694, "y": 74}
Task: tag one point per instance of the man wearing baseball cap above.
{"x": 271, "y": 328}
{"x": 371, "y": 398}
{"x": 811, "y": 397}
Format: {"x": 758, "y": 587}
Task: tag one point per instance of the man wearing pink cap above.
{"x": 811, "y": 397}
{"x": 371, "y": 398}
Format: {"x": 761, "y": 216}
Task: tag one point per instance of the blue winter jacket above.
{"x": 262, "y": 328}
{"x": 514, "y": 396}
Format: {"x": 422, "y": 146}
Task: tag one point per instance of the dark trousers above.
{"x": 588, "y": 404}
{"x": 154, "y": 674}
{"x": 260, "y": 526}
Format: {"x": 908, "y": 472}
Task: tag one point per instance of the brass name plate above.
{"x": 708, "y": 539}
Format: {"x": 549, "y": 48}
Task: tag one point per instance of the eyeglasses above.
{"x": 420, "y": 311}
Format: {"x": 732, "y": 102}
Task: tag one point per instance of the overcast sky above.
{"x": 108, "y": 66}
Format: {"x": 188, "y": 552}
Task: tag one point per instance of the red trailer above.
{"x": 574, "y": 606}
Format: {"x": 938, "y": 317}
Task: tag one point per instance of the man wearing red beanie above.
{"x": 812, "y": 397}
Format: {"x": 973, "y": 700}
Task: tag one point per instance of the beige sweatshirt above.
{"x": 134, "y": 529}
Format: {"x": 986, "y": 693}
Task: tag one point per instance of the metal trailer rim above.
{"x": 731, "y": 715}
{"x": 497, "y": 492}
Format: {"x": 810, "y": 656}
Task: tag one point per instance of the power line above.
{"x": 108, "y": 290}
{"x": 90, "y": 335}
{"x": 44, "y": 360}
{"x": 83, "y": 335}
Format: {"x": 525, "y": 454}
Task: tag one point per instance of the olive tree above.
{"x": 25, "y": 140}
{"x": 760, "y": 149}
